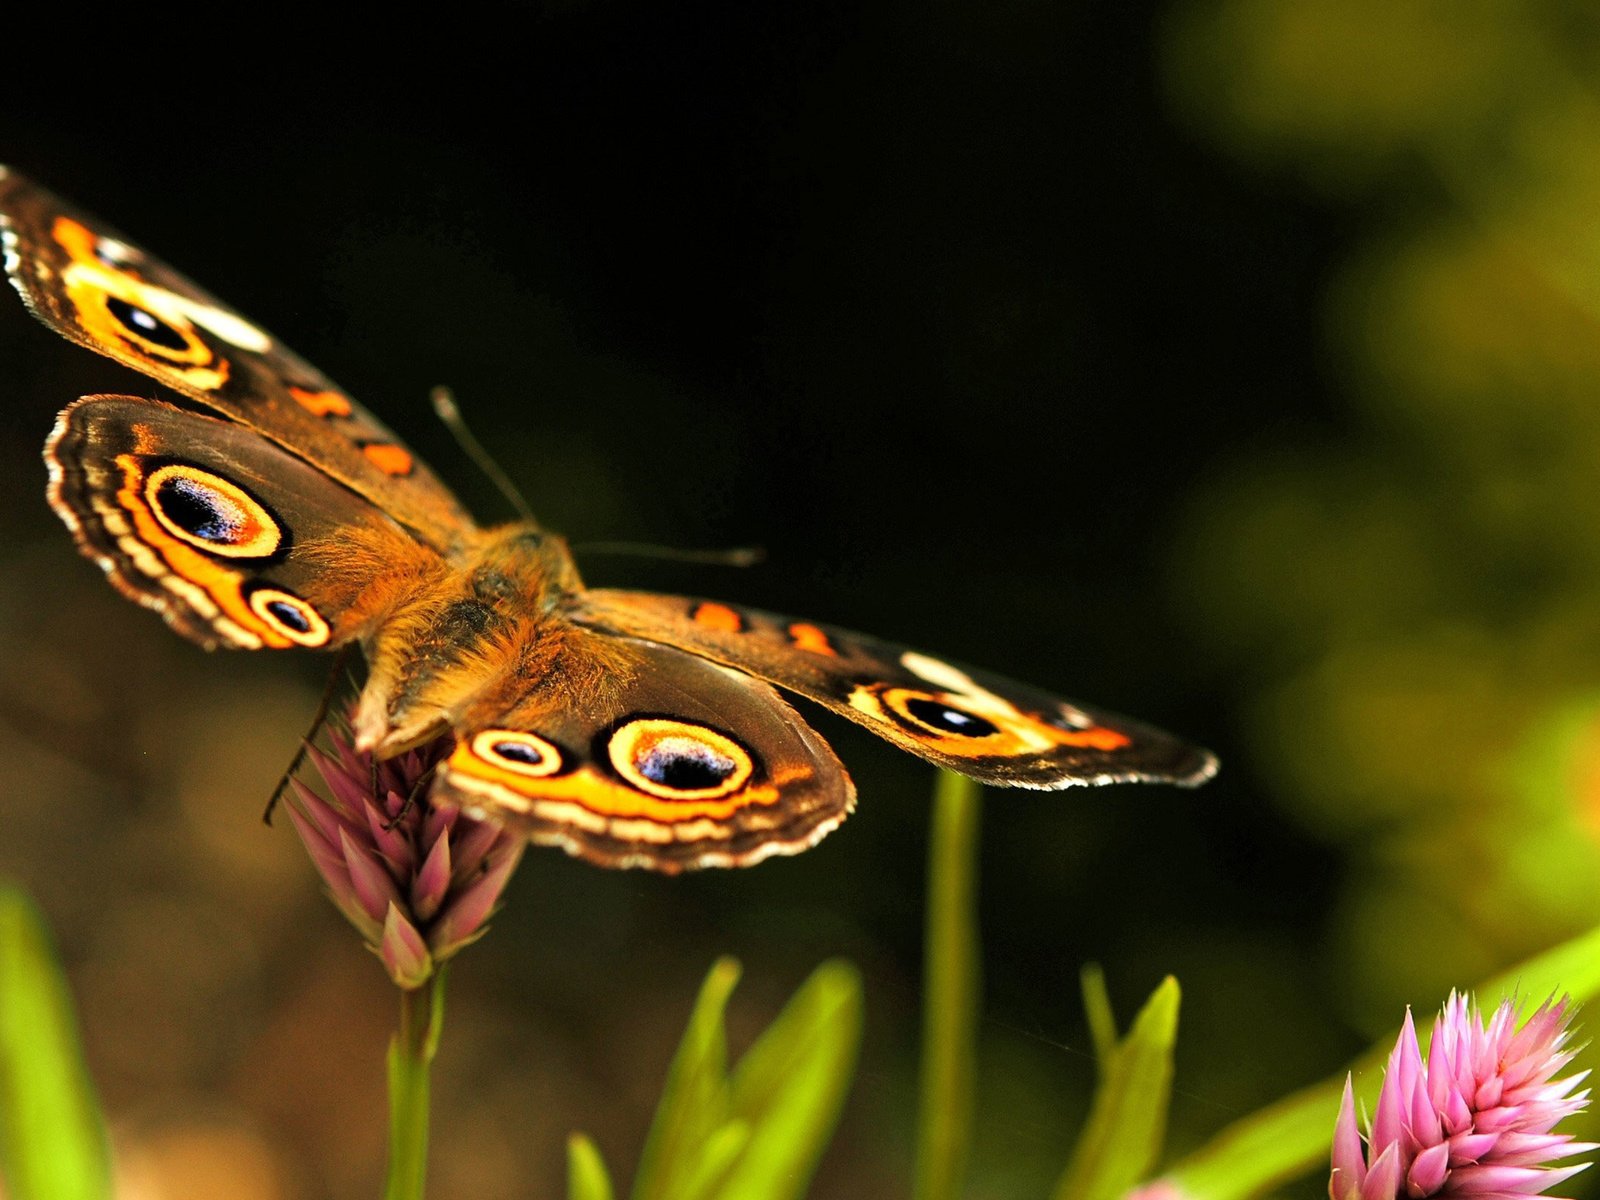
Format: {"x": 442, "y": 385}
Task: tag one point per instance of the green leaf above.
{"x": 791, "y": 1085}
{"x": 716, "y": 1157}
{"x": 951, "y": 985}
{"x": 757, "y": 1135}
{"x": 52, "y": 1138}
{"x": 587, "y": 1177}
{"x": 694, "y": 1103}
{"x": 1097, "y": 1007}
{"x": 1122, "y": 1139}
{"x": 1291, "y": 1138}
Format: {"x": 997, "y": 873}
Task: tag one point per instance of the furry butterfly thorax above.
{"x": 269, "y": 510}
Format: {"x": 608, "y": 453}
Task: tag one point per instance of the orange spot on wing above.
{"x": 389, "y": 458}
{"x": 719, "y": 617}
{"x": 1096, "y": 737}
{"x": 322, "y": 404}
{"x": 809, "y": 637}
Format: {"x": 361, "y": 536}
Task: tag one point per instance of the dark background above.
{"x": 942, "y": 307}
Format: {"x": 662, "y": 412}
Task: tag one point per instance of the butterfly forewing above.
{"x": 970, "y": 721}
{"x": 86, "y": 281}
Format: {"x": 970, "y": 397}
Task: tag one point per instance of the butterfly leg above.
{"x": 329, "y": 690}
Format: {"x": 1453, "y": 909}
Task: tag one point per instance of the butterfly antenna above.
{"x": 735, "y": 556}
{"x": 329, "y": 690}
{"x": 444, "y": 404}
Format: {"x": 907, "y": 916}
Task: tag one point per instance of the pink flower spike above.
{"x": 429, "y": 884}
{"x": 460, "y": 922}
{"x": 373, "y": 887}
{"x": 473, "y": 844}
{"x": 404, "y": 953}
{"x": 417, "y": 881}
{"x": 387, "y": 838}
{"x": 1473, "y": 1119}
{"x": 1349, "y": 1167}
{"x": 320, "y": 840}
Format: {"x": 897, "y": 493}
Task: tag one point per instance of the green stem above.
{"x": 950, "y": 992}
{"x": 411, "y": 1052}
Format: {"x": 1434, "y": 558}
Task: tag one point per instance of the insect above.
{"x": 630, "y": 729}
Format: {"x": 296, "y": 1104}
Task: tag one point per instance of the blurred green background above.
{"x": 1232, "y": 363}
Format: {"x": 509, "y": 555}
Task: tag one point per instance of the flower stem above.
{"x": 411, "y": 1052}
{"x": 950, "y": 992}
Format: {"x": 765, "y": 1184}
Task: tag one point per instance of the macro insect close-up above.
{"x": 493, "y": 798}
{"x": 630, "y": 729}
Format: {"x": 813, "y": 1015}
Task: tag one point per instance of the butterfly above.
{"x": 271, "y": 511}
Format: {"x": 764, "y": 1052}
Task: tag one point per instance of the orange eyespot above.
{"x": 291, "y": 616}
{"x": 929, "y": 712}
{"x": 518, "y": 752}
{"x": 211, "y": 513}
{"x": 678, "y": 760}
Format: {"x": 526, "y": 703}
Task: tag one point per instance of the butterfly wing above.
{"x": 663, "y": 760}
{"x": 233, "y": 540}
{"x": 970, "y": 721}
{"x": 90, "y": 284}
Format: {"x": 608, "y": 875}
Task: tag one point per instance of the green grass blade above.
{"x": 694, "y": 1102}
{"x": 791, "y": 1085}
{"x": 1122, "y": 1139}
{"x": 951, "y": 985}
{"x": 587, "y": 1177}
{"x": 1292, "y": 1137}
{"x": 52, "y": 1138}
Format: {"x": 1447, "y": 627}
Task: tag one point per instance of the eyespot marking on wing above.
{"x": 211, "y": 513}
{"x": 962, "y": 718}
{"x": 1067, "y": 726}
{"x": 718, "y": 617}
{"x": 137, "y": 320}
{"x": 937, "y": 717}
{"x": 679, "y": 760}
{"x": 151, "y": 332}
{"x": 557, "y": 789}
{"x": 516, "y": 751}
{"x": 146, "y": 531}
{"x": 289, "y": 615}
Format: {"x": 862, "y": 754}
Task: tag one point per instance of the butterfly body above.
{"x": 273, "y": 512}
{"x": 467, "y": 636}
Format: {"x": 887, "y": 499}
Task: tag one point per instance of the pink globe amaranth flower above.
{"x": 417, "y": 880}
{"x": 1475, "y": 1120}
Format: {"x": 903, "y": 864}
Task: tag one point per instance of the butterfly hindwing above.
{"x": 970, "y": 721}
{"x": 233, "y": 540}
{"x": 669, "y": 761}
{"x": 86, "y": 281}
